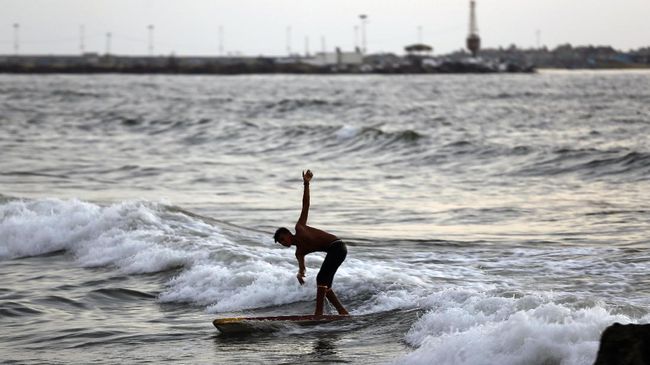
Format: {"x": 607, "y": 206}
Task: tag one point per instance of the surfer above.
{"x": 309, "y": 239}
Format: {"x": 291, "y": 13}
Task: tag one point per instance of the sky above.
{"x": 259, "y": 27}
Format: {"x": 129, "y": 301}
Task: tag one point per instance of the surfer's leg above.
{"x": 333, "y": 260}
{"x": 324, "y": 282}
{"x": 320, "y": 299}
{"x": 336, "y": 303}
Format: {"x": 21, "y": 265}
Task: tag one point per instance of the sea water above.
{"x": 490, "y": 219}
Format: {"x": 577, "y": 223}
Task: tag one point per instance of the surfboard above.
{"x": 252, "y": 324}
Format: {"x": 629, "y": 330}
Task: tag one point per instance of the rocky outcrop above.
{"x": 625, "y": 345}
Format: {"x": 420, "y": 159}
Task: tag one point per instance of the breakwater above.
{"x": 380, "y": 64}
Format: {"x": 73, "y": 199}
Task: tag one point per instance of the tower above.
{"x": 82, "y": 40}
{"x": 473, "y": 39}
{"x": 150, "y": 28}
{"x": 108, "y": 43}
{"x": 364, "y": 20}
{"x": 220, "y": 40}
{"x": 289, "y": 41}
{"x": 16, "y": 39}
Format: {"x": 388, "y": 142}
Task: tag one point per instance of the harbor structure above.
{"x": 340, "y": 59}
{"x": 473, "y": 39}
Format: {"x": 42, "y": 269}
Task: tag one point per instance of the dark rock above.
{"x": 625, "y": 345}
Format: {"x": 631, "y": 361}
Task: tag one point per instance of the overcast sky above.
{"x": 254, "y": 27}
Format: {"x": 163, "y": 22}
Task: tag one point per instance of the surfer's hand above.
{"x": 306, "y": 176}
{"x": 300, "y": 277}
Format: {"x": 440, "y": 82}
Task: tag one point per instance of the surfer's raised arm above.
{"x": 306, "y": 178}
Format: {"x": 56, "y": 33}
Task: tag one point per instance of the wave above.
{"x": 347, "y": 132}
{"x": 592, "y": 163}
{"x": 73, "y": 95}
{"x": 130, "y": 236}
{"x": 60, "y": 302}
{"x": 14, "y": 309}
{"x": 507, "y": 95}
{"x": 122, "y": 294}
{"x": 467, "y": 327}
{"x": 219, "y": 267}
{"x": 290, "y": 105}
{"x": 213, "y": 265}
{"x": 322, "y": 141}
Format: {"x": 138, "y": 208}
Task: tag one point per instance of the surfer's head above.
{"x": 283, "y": 236}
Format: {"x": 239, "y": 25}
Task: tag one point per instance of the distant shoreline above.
{"x": 335, "y": 63}
{"x": 115, "y": 72}
{"x": 411, "y": 64}
{"x": 632, "y": 68}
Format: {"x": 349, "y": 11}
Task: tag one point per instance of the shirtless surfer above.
{"x": 307, "y": 240}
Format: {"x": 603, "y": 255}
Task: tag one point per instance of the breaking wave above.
{"x": 226, "y": 269}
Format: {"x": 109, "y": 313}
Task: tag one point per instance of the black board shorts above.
{"x": 336, "y": 254}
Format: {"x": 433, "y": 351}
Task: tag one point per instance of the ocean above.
{"x": 489, "y": 219}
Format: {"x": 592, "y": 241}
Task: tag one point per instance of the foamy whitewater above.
{"x": 489, "y": 219}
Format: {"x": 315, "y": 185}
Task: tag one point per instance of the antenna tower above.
{"x": 289, "y": 41}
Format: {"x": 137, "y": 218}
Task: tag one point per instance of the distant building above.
{"x": 385, "y": 61}
{"x": 418, "y": 49}
{"x": 339, "y": 59}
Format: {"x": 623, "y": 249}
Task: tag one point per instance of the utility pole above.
{"x": 364, "y": 19}
{"x": 356, "y": 37}
{"x": 16, "y": 39}
{"x": 82, "y": 41}
{"x": 420, "y": 34}
{"x": 150, "y": 28}
{"x": 306, "y": 46}
{"x": 289, "y": 41}
{"x": 108, "y": 43}
{"x": 220, "y": 40}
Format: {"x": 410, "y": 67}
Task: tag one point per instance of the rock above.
{"x": 625, "y": 345}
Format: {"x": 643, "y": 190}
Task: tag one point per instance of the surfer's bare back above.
{"x": 309, "y": 239}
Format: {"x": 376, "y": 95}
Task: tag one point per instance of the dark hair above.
{"x": 280, "y": 231}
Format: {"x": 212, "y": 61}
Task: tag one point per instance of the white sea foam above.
{"x": 130, "y": 236}
{"x": 347, "y": 132}
{"x": 238, "y": 287}
{"x": 465, "y": 327}
{"x": 268, "y": 278}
